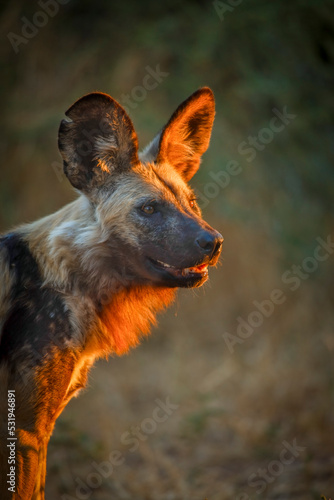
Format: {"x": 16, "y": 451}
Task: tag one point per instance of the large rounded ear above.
{"x": 187, "y": 134}
{"x": 96, "y": 141}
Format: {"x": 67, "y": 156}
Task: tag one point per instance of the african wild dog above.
{"x": 89, "y": 279}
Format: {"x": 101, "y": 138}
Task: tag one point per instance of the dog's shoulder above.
{"x": 8, "y": 275}
{"x": 34, "y": 318}
{"x": 17, "y": 259}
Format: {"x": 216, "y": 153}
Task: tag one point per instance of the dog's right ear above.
{"x": 186, "y": 136}
{"x": 97, "y": 140}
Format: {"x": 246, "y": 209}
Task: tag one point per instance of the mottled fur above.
{"x": 89, "y": 279}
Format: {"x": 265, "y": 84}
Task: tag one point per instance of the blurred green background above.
{"x": 237, "y": 406}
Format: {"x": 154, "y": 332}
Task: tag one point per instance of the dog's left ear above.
{"x": 187, "y": 134}
{"x": 96, "y": 141}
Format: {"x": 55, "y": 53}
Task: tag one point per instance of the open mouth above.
{"x": 199, "y": 271}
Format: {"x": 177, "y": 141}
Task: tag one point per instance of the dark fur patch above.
{"x": 38, "y": 319}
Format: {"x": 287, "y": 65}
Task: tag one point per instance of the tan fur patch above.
{"x": 105, "y": 148}
{"x": 51, "y": 240}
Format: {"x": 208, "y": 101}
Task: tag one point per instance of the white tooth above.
{"x": 163, "y": 264}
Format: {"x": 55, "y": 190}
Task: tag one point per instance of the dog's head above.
{"x": 143, "y": 205}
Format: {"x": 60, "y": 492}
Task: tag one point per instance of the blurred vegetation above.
{"x": 262, "y": 55}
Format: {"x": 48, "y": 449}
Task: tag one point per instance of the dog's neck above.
{"x": 128, "y": 316}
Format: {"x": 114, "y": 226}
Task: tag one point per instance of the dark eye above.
{"x": 148, "y": 209}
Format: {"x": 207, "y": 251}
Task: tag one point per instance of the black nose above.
{"x": 209, "y": 242}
